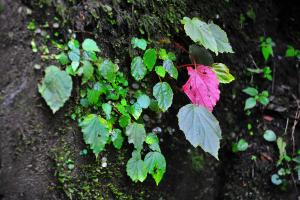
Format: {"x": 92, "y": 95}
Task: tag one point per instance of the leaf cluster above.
{"x": 262, "y": 97}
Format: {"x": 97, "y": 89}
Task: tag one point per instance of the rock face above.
{"x": 26, "y": 134}
{"x": 36, "y": 146}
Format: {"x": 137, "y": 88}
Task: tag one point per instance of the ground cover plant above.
{"x": 107, "y": 112}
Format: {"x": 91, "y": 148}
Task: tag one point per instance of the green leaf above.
{"x": 200, "y": 33}
{"x": 108, "y": 70}
{"x": 270, "y": 136}
{"x": 170, "y": 68}
{"x": 124, "y": 120}
{"x": 55, "y": 87}
{"x": 156, "y": 165}
{"x": 250, "y": 91}
{"x": 256, "y": 71}
{"x": 151, "y": 138}
{"x": 93, "y": 96}
{"x": 200, "y": 127}
{"x": 139, "y": 43}
{"x": 275, "y": 179}
{"x": 73, "y": 44}
{"x": 154, "y": 105}
{"x": 138, "y": 70}
{"x": 107, "y": 108}
{"x": 136, "y": 135}
{"x": 282, "y": 151}
{"x": 74, "y": 55}
{"x": 290, "y": 52}
{"x": 163, "y": 54}
{"x": 62, "y": 58}
{"x": 90, "y": 45}
{"x": 88, "y": 71}
{"x": 136, "y": 168}
{"x": 163, "y": 94}
{"x": 267, "y": 51}
{"x": 153, "y": 142}
{"x": 90, "y": 55}
{"x": 75, "y": 65}
{"x": 200, "y": 55}
{"x": 263, "y": 100}
{"x": 160, "y": 71}
{"x": 143, "y": 101}
{"x": 95, "y": 132}
{"x": 211, "y": 36}
{"x": 265, "y": 93}
{"x": 171, "y": 56}
{"x": 117, "y": 138}
{"x": 266, "y": 47}
{"x": 136, "y": 111}
{"x": 222, "y": 72}
{"x": 250, "y": 103}
{"x": 150, "y": 58}
{"x": 241, "y": 145}
{"x": 220, "y": 36}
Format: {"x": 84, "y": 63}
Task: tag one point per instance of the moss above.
{"x": 154, "y": 16}
{"x": 86, "y": 180}
{"x": 1, "y": 7}
{"x": 197, "y": 160}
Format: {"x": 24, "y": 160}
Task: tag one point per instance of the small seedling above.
{"x": 242, "y": 20}
{"x": 266, "y": 71}
{"x": 251, "y": 14}
{"x": 276, "y": 180}
{"x": 254, "y": 158}
{"x": 281, "y": 144}
{"x": 292, "y": 52}
{"x": 31, "y": 26}
{"x": 266, "y": 45}
{"x": 249, "y": 127}
{"x": 241, "y": 145}
{"x": 83, "y": 152}
{"x": 270, "y": 136}
{"x": 255, "y": 97}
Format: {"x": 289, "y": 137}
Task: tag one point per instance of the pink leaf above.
{"x": 202, "y": 87}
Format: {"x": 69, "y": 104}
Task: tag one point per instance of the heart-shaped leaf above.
{"x": 108, "y": 70}
{"x": 139, "y": 43}
{"x": 222, "y": 72}
{"x": 164, "y": 95}
{"x": 200, "y": 127}
{"x": 156, "y": 165}
{"x": 221, "y": 38}
{"x": 90, "y": 45}
{"x": 211, "y": 36}
{"x": 136, "y": 135}
{"x": 136, "y": 168}
{"x": 202, "y": 87}
{"x": 56, "y": 87}
{"x": 150, "y": 58}
{"x": 200, "y": 32}
{"x": 170, "y": 68}
{"x": 138, "y": 69}
{"x": 95, "y": 132}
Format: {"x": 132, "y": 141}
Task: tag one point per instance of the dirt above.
{"x": 32, "y": 139}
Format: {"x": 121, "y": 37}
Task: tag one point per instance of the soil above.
{"x": 32, "y": 139}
